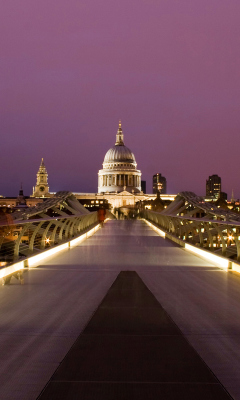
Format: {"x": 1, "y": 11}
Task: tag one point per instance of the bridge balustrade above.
{"x": 218, "y": 236}
{"x": 33, "y": 230}
{"x": 26, "y": 238}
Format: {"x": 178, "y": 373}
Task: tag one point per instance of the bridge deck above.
{"x": 131, "y": 349}
{"x": 41, "y": 319}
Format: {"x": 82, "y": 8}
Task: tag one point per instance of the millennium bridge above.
{"x": 137, "y": 309}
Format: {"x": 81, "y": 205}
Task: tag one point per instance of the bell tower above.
{"x": 41, "y": 189}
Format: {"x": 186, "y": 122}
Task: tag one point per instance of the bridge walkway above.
{"x": 131, "y": 349}
{"x": 43, "y": 318}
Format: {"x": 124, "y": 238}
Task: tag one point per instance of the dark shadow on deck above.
{"x": 131, "y": 349}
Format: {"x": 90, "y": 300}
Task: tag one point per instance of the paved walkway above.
{"x": 131, "y": 349}
{"x": 42, "y": 319}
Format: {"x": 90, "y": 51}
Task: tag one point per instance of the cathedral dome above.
{"x": 119, "y": 171}
{"x": 119, "y": 153}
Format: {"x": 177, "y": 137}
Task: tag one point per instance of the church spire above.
{"x": 21, "y": 190}
{"x": 119, "y": 136}
{"x": 42, "y": 168}
{"x": 41, "y": 189}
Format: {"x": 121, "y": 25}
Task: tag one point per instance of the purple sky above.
{"x": 169, "y": 69}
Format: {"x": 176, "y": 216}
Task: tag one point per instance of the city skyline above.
{"x": 170, "y": 72}
{"x": 144, "y": 183}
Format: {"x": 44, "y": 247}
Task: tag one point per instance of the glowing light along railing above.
{"x": 32, "y": 261}
{"x": 159, "y": 231}
{"x": 47, "y": 253}
{"x": 84, "y": 236}
{"x": 11, "y": 269}
{"x": 223, "y": 262}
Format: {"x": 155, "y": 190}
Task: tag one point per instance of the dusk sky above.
{"x": 169, "y": 69}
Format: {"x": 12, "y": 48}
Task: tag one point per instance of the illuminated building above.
{"x": 213, "y": 186}
{"x": 159, "y": 184}
{"x": 9, "y": 203}
{"x": 119, "y": 171}
{"x": 119, "y": 183}
{"x": 41, "y": 189}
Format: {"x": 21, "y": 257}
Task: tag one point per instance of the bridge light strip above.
{"x": 32, "y": 261}
{"x": 223, "y": 262}
{"x": 11, "y": 269}
{"x": 39, "y": 257}
{"x": 159, "y": 231}
{"x": 86, "y": 235}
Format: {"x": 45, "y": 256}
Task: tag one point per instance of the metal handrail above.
{"x": 206, "y": 233}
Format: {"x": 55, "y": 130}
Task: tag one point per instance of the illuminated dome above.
{"x": 119, "y": 153}
{"x": 119, "y": 169}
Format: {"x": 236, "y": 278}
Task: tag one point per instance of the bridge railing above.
{"x": 218, "y": 236}
{"x": 20, "y": 240}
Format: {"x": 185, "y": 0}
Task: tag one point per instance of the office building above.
{"x": 213, "y": 186}
{"x": 159, "y": 184}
